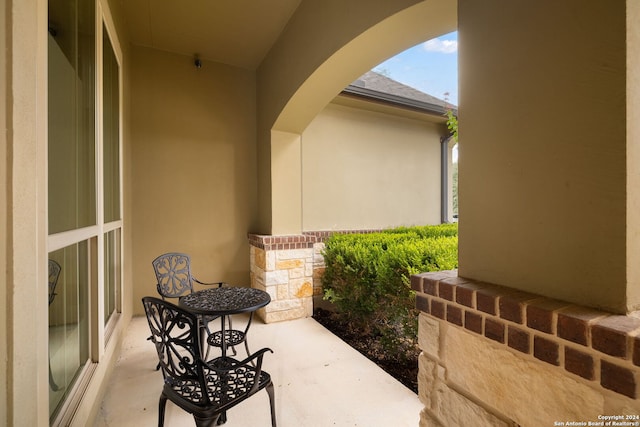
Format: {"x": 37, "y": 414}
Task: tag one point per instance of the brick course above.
{"x": 599, "y": 347}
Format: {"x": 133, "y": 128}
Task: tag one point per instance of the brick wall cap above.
{"x": 547, "y": 304}
{"x": 490, "y": 289}
{"x": 420, "y": 274}
{"x": 619, "y": 323}
{"x": 472, "y": 286}
{"x": 439, "y": 275}
{"x": 582, "y": 313}
{"x": 521, "y": 297}
{"x": 455, "y": 280}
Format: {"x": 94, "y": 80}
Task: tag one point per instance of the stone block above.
{"x": 272, "y": 291}
{"x": 294, "y": 254}
{"x": 257, "y": 283}
{"x": 429, "y": 335}
{"x": 282, "y": 292}
{"x": 283, "y": 305}
{"x": 453, "y": 409}
{"x": 428, "y": 419}
{"x": 488, "y": 372}
{"x": 260, "y": 258}
{"x": 277, "y": 277}
{"x": 259, "y": 276}
{"x": 270, "y": 261}
{"x": 426, "y": 378}
{"x": 308, "y": 269}
{"x": 296, "y": 273}
{"x": 301, "y": 288}
{"x": 289, "y": 264}
{"x": 307, "y": 305}
{"x": 280, "y": 316}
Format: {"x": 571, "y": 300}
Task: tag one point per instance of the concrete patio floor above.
{"x": 319, "y": 381}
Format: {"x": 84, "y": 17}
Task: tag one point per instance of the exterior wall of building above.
{"x": 193, "y": 151}
{"x": 543, "y": 186}
{"x": 364, "y": 169}
{"x": 26, "y": 306}
{"x": 292, "y": 93}
{"x": 633, "y": 151}
{"x": 495, "y": 357}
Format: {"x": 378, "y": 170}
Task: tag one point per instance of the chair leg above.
{"x": 206, "y": 422}
{"x": 272, "y": 403}
{"x": 161, "y": 407}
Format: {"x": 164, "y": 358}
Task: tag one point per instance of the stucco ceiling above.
{"x": 234, "y": 32}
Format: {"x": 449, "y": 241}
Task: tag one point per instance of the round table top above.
{"x": 226, "y": 300}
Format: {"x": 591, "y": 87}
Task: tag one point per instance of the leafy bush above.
{"x": 367, "y": 277}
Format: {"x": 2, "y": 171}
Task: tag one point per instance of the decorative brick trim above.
{"x": 597, "y": 346}
{"x": 298, "y": 241}
{"x": 619, "y": 379}
{"x": 279, "y": 243}
{"x": 579, "y": 363}
{"x": 546, "y": 350}
{"x": 518, "y": 339}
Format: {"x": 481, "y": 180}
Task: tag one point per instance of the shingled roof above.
{"x": 379, "y": 87}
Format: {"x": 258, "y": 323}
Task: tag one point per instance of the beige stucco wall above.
{"x": 365, "y": 170}
{"x": 303, "y": 71}
{"x": 26, "y": 306}
{"x": 193, "y": 154}
{"x": 633, "y": 152}
{"x": 543, "y": 144}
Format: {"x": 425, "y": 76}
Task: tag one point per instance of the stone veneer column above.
{"x": 283, "y": 266}
{"x": 290, "y": 269}
{"x": 494, "y": 356}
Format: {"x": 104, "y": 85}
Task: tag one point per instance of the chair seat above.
{"x": 232, "y": 337}
{"x": 225, "y": 389}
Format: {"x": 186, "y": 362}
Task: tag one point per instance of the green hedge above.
{"x": 367, "y": 275}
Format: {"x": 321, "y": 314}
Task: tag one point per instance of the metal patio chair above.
{"x": 54, "y": 274}
{"x": 205, "y": 389}
{"x": 173, "y": 273}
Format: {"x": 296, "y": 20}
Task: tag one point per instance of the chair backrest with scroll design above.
{"x": 173, "y": 273}
{"x": 206, "y": 389}
{"x": 54, "y": 273}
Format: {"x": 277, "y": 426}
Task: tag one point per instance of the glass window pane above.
{"x": 72, "y": 192}
{"x": 111, "y": 273}
{"x": 69, "y": 283}
{"x": 111, "y": 131}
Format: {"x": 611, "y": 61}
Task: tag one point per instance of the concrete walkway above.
{"x": 319, "y": 381}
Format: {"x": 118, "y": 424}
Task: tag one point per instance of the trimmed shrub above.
{"x": 367, "y": 277}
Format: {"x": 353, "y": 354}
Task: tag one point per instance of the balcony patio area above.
{"x": 319, "y": 381}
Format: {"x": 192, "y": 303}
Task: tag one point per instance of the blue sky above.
{"x": 431, "y": 67}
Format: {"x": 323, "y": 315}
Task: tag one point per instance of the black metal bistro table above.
{"x": 224, "y": 302}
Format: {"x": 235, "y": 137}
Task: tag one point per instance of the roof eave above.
{"x": 395, "y": 100}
